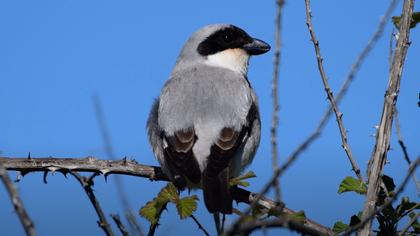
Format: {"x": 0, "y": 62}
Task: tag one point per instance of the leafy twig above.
{"x": 154, "y": 225}
{"x": 383, "y": 136}
{"x": 24, "y": 218}
{"x": 87, "y": 186}
{"x": 330, "y": 95}
{"x": 386, "y": 203}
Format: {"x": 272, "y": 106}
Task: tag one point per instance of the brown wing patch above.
{"x": 182, "y": 141}
{"x": 180, "y": 158}
{"x": 228, "y": 138}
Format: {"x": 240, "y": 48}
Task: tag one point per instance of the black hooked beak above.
{"x": 256, "y": 47}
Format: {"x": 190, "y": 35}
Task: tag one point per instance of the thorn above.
{"x": 45, "y": 177}
{"x": 64, "y": 172}
{"x": 18, "y": 176}
{"x": 105, "y": 171}
{"x": 53, "y": 169}
{"x": 106, "y": 177}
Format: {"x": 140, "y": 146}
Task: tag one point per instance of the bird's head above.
{"x": 222, "y": 45}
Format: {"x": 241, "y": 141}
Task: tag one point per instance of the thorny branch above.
{"x": 87, "y": 186}
{"x": 330, "y": 95}
{"x": 345, "y": 86}
{"x": 24, "y": 218}
{"x": 274, "y": 92}
{"x": 387, "y": 202}
{"x": 129, "y": 167}
{"x": 383, "y": 136}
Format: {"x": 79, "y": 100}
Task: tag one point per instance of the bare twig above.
{"x": 403, "y": 147}
{"x": 87, "y": 186}
{"x": 410, "y": 223}
{"x": 387, "y": 201}
{"x": 330, "y": 95}
{"x": 24, "y": 218}
{"x": 378, "y": 158}
{"x": 134, "y": 226}
{"x": 345, "y": 86}
{"x": 126, "y": 167}
{"x": 274, "y": 93}
{"x": 200, "y": 227}
{"x": 120, "y": 225}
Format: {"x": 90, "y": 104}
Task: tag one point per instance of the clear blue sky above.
{"x": 54, "y": 55}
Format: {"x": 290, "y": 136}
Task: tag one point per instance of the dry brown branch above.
{"x": 383, "y": 136}
{"x": 127, "y": 167}
{"x": 329, "y": 92}
{"x": 274, "y": 93}
{"x": 387, "y": 202}
{"x": 87, "y": 186}
{"x": 120, "y": 225}
{"x": 24, "y": 218}
{"x": 345, "y": 86}
{"x": 280, "y": 222}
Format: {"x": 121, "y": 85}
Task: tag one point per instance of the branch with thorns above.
{"x": 132, "y": 168}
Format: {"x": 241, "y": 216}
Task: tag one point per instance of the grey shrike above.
{"x": 205, "y": 126}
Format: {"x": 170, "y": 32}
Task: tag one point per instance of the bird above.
{"x": 205, "y": 126}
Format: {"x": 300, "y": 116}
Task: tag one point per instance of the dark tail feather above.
{"x": 217, "y": 196}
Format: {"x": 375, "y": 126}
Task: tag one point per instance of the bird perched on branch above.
{"x": 205, "y": 127}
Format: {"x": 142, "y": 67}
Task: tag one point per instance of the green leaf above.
{"x": 389, "y": 183}
{"x": 352, "y": 184}
{"x": 405, "y": 206}
{"x": 415, "y": 18}
{"x": 299, "y": 216}
{"x": 169, "y": 193}
{"x": 152, "y": 209}
{"x": 186, "y": 206}
{"x": 239, "y": 180}
{"x": 355, "y": 219}
{"x": 339, "y": 227}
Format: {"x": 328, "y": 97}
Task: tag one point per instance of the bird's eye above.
{"x": 227, "y": 38}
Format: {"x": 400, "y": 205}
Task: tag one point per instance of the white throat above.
{"x": 232, "y": 59}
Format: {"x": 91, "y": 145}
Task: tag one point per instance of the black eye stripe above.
{"x": 230, "y": 37}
